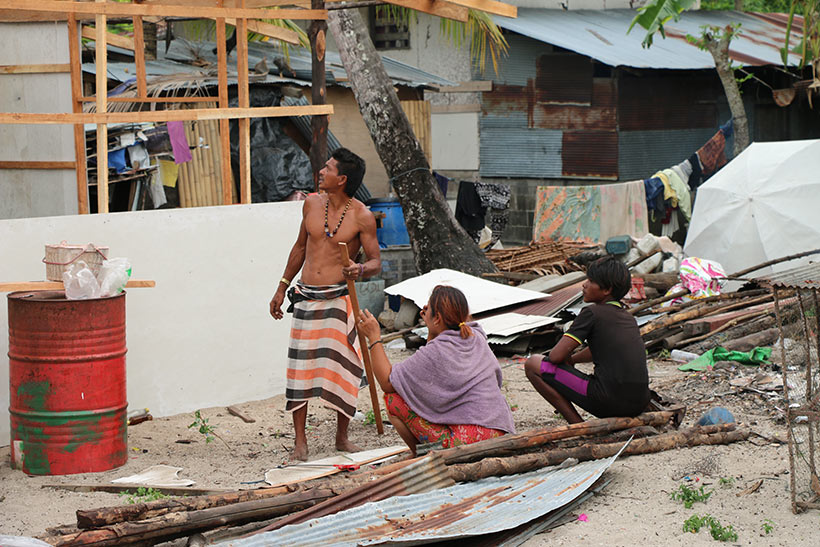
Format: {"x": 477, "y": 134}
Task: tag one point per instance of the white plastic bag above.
{"x": 114, "y": 274}
{"x": 79, "y": 282}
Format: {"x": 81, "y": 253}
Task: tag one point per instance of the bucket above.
{"x": 67, "y": 383}
{"x": 393, "y": 230}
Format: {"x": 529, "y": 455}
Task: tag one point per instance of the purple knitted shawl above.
{"x": 453, "y": 381}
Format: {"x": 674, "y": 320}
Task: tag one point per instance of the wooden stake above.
{"x": 224, "y": 127}
{"x": 368, "y": 367}
{"x": 80, "y": 167}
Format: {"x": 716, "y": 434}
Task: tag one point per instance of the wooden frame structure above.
{"x": 244, "y": 15}
{"x": 222, "y": 11}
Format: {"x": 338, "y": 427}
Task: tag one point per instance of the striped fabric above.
{"x": 324, "y": 357}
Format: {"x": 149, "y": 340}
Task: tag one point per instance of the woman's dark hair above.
{"x": 610, "y": 274}
{"x": 451, "y": 304}
{"x": 352, "y": 166}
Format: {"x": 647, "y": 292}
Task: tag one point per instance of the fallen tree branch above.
{"x": 488, "y": 467}
{"x": 510, "y": 443}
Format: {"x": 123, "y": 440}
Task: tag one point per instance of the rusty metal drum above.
{"x": 67, "y": 382}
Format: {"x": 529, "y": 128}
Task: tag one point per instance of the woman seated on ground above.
{"x": 450, "y": 389}
{"x": 619, "y": 385}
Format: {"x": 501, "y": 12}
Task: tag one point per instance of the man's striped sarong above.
{"x": 324, "y": 357}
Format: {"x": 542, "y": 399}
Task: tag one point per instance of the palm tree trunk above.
{"x": 720, "y": 53}
{"x": 438, "y": 241}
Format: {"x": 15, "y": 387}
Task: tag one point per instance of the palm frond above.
{"x": 485, "y": 38}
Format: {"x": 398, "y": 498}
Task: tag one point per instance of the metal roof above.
{"x": 602, "y": 35}
{"x": 802, "y": 277}
{"x": 468, "y": 509}
{"x": 182, "y": 53}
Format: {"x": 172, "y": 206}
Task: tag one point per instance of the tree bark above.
{"x": 488, "y": 467}
{"x": 438, "y": 241}
{"x": 720, "y": 53}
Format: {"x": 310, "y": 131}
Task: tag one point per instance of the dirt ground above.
{"x": 634, "y": 509}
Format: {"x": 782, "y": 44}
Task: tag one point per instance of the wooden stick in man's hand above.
{"x": 368, "y": 368}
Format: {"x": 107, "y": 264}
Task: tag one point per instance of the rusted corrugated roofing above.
{"x": 468, "y": 509}
{"x": 602, "y": 35}
{"x": 802, "y": 277}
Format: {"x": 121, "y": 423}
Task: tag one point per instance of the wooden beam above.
{"x": 129, "y": 10}
{"x": 37, "y": 164}
{"x": 35, "y": 69}
{"x": 455, "y": 108}
{"x": 166, "y": 115}
{"x": 139, "y": 57}
{"x": 489, "y": 6}
{"x": 120, "y": 99}
{"x": 318, "y": 91}
{"x": 468, "y": 87}
{"x": 101, "y": 91}
{"x": 113, "y": 39}
{"x": 439, "y": 8}
{"x": 244, "y": 102}
{"x": 224, "y": 127}
{"x": 75, "y": 61}
{"x": 269, "y": 30}
{"x": 58, "y": 285}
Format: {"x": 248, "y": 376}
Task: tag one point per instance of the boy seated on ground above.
{"x": 619, "y": 384}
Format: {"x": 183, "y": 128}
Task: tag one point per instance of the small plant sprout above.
{"x": 206, "y": 429}
{"x": 689, "y": 495}
{"x": 664, "y": 354}
{"x": 726, "y": 481}
{"x": 370, "y": 418}
{"x": 767, "y": 526}
{"x": 143, "y": 495}
{"x": 719, "y": 532}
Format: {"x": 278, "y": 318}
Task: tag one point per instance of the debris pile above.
{"x": 542, "y": 258}
{"x": 228, "y": 514}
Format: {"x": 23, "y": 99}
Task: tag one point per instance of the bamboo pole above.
{"x": 197, "y": 172}
{"x": 224, "y": 127}
{"x": 139, "y": 57}
{"x": 695, "y": 436}
{"x": 368, "y": 367}
{"x": 202, "y": 131}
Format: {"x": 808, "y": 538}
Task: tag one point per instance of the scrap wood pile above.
{"x": 272, "y": 508}
{"x": 541, "y": 258}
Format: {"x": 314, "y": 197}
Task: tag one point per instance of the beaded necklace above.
{"x": 328, "y": 233}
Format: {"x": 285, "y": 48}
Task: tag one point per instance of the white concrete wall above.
{"x": 30, "y": 193}
{"x": 455, "y": 141}
{"x": 203, "y": 337}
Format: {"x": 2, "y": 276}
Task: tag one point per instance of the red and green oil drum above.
{"x": 67, "y": 382}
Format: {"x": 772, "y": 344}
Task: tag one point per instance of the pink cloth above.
{"x": 179, "y": 144}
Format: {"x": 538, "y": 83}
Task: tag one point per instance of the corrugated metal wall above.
{"x": 642, "y": 153}
{"x": 510, "y": 149}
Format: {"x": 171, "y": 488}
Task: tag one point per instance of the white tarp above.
{"x": 482, "y": 295}
{"x": 764, "y": 204}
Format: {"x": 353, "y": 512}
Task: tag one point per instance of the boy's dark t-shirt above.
{"x": 618, "y": 353}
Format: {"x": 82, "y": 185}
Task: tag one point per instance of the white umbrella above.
{"x": 763, "y": 205}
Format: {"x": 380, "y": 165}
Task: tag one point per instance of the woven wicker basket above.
{"x": 59, "y": 257}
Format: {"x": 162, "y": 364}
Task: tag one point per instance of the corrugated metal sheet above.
{"x": 563, "y": 78}
{"x": 181, "y": 53}
{"x": 642, "y": 153}
{"x": 548, "y": 306}
{"x": 802, "y": 277}
{"x": 518, "y": 151}
{"x": 676, "y": 101}
{"x": 590, "y": 154}
{"x": 465, "y": 510}
{"x": 602, "y": 35}
{"x": 517, "y": 68}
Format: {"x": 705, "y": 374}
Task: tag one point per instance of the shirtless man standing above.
{"x": 323, "y": 360}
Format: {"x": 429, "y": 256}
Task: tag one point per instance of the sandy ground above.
{"x": 634, "y": 509}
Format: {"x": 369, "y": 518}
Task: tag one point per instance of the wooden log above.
{"x": 725, "y": 326}
{"x": 178, "y": 524}
{"x": 649, "y": 303}
{"x": 510, "y": 443}
{"x": 765, "y": 337}
{"x": 672, "y": 341}
{"x": 715, "y": 434}
{"x": 715, "y": 298}
{"x": 691, "y": 313}
{"x": 661, "y": 281}
{"x": 737, "y": 331}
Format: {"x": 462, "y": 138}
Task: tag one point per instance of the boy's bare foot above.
{"x": 345, "y": 445}
{"x": 300, "y": 452}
